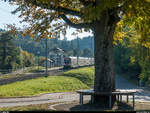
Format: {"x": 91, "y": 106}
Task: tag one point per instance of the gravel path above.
{"x": 121, "y": 84}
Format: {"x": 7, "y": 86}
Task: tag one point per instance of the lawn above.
{"x": 86, "y": 75}
{"x": 68, "y": 82}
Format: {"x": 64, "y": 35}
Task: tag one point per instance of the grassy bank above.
{"x": 70, "y": 81}
{"x": 86, "y": 75}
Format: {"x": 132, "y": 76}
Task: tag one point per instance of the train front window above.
{"x": 67, "y": 61}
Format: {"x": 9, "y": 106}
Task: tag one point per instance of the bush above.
{"x": 145, "y": 77}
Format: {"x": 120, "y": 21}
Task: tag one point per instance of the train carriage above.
{"x": 71, "y": 62}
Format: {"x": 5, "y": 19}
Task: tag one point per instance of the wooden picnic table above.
{"x": 117, "y": 93}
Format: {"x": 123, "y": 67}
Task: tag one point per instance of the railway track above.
{"x": 27, "y": 76}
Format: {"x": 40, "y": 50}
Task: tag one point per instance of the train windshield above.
{"x": 67, "y": 61}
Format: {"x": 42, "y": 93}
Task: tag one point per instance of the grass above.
{"x": 70, "y": 81}
{"x": 86, "y": 75}
{"x": 41, "y": 85}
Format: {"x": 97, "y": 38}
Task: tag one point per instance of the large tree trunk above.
{"x": 104, "y": 59}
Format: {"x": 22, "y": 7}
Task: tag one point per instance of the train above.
{"x": 71, "y": 62}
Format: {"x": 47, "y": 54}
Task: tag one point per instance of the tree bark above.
{"x": 104, "y": 59}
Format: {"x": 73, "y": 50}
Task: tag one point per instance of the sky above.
{"x": 7, "y": 18}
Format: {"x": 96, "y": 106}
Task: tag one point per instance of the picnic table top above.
{"x": 119, "y": 92}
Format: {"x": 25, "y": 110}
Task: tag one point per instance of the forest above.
{"x": 84, "y": 46}
{"x": 12, "y": 57}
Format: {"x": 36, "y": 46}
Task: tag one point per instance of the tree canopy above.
{"x": 49, "y": 17}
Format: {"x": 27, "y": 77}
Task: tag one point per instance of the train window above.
{"x": 67, "y": 61}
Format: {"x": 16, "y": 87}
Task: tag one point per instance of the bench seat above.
{"x": 117, "y": 93}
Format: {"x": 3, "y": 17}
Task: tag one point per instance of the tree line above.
{"x": 83, "y": 47}
{"x": 11, "y": 56}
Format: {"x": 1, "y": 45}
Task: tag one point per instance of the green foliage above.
{"x": 132, "y": 57}
{"x": 144, "y": 62}
{"x": 124, "y": 60}
{"x": 144, "y": 76}
{"x": 28, "y": 59}
{"x": 10, "y": 57}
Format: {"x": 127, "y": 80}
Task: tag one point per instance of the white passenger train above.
{"x": 70, "y": 62}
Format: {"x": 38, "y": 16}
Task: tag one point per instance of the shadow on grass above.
{"x": 118, "y": 106}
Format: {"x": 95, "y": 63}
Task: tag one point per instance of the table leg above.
{"x": 133, "y": 101}
{"x": 117, "y": 97}
{"x": 110, "y": 101}
{"x": 120, "y": 98}
{"x": 81, "y": 98}
{"x": 92, "y": 99}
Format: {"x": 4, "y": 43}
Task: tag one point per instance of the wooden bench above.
{"x": 117, "y": 93}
